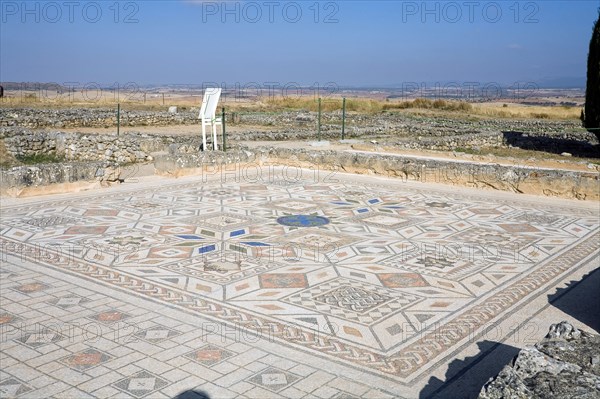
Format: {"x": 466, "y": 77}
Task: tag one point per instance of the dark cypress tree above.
{"x": 592, "y": 91}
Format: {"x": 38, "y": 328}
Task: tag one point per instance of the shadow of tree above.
{"x": 465, "y": 378}
{"x": 580, "y": 299}
{"x": 192, "y": 394}
{"x": 555, "y": 145}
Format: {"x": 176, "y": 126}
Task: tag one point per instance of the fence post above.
{"x": 118, "y": 118}
{"x": 343, "y": 116}
{"x": 223, "y": 125}
{"x": 319, "y": 121}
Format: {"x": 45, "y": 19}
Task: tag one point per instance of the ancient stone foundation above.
{"x": 57, "y": 177}
{"x": 514, "y": 178}
{"x": 179, "y": 155}
{"x": 122, "y": 149}
{"x": 565, "y": 364}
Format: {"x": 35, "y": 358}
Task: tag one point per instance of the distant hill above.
{"x": 32, "y": 86}
{"x": 561, "y": 83}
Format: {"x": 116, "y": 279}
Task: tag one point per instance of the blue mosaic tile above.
{"x": 237, "y": 233}
{"x": 303, "y": 220}
{"x": 189, "y": 237}
{"x": 206, "y": 249}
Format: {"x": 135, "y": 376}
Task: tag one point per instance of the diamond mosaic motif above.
{"x": 294, "y": 205}
{"x": 401, "y": 280}
{"x": 384, "y": 220}
{"x": 223, "y": 221}
{"x": 31, "y": 288}
{"x": 109, "y": 317}
{"x": 12, "y": 388}
{"x": 518, "y": 228}
{"x": 42, "y": 337}
{"x": 157, "y": 334}
{"x": 141, "y": 384}
{"x": 209, "y": 355}
{"x": 77, "y": 230}
{"x": 6, "y": 318}
{"x": 279, "y": 280}
{"x": 274, "y": 379}
{"x": 69, "y": 302}
{"x": 85, "y": 360}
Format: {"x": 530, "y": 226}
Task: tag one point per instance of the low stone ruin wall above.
{"x": 206, "y": 163}
{"x": 137, "y": 147}
{"x": 57, "y": 177}
{"x": 93, "y": 117}
{"x": 359, "y": 124}
{"x": 514, "y": 178}
{"x": 180, "y": 155}
{"x": 449, "y": 143}
{"x": 126, "y": 148}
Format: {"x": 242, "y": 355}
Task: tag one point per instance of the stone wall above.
{"x": 387, "y": 128}
{"x": 207, "y": 163}
{"x": 451, "y": 142}
{"x": 92, "y": 117}
{"x": 137, "y": 147}
{"x": 357, "y": 124}
{"x": 126, "y": 148}
{"x": 514, "y": 178}
{"x": 182, "y": 153}
{"x": 14, "y": 181}
{"x": 181, "y": 160}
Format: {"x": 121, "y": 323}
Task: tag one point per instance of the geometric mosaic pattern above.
{"x": 12, "y": 388}
{"x": 303, "y": 220}
{"x": 274, "y": 379}
{"x": 85, "y": 360}
{"x": 354, "y": 267}
{"x": 141, "y": 384}
{"x": 352, "y": 300}
{"x": 209, "y": 355}
{"x": 39, "y": 338}
{"x": 156, "y": 335}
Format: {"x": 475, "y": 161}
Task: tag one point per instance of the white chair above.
{"x": 207, "y": 115}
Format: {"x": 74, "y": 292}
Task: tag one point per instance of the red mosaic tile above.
{"x": 283, "y": 280}
{"x": 401, "y": 280}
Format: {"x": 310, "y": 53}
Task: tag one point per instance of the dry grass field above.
{"x": 233, "y": 103}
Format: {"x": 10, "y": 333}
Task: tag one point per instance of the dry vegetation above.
{"x": 421, "y": 106}
{"x": 151, "y": 103}
{"x": 428, "y": 107}
{"x": 364, "y": 105}
{"x": 6, "y": 159}
{"x": 528, "y": 111}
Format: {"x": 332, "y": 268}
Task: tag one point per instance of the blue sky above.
{"x": 347, "y": 42}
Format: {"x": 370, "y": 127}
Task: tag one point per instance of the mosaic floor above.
{"x": 371, "y": 276}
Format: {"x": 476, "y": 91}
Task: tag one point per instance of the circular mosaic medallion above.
{"x": 303, "y": 220}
